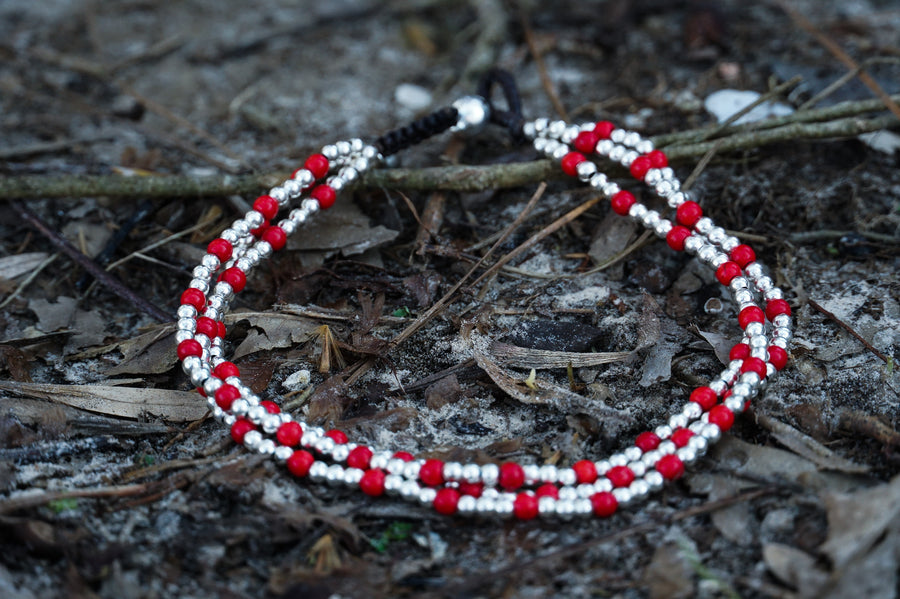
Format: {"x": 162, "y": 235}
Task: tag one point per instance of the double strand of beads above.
{"x": 585, "y": 488}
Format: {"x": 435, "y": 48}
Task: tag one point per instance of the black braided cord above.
{"x": 417, "y": 131}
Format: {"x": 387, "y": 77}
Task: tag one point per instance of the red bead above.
{"x": 317, "y": 164}
{"x": 189, "y": 347}
{"x": 677, "y": 236}
{"x": 512, "y": 476}
{"x": 777, "y": 357}
{"x": 727, "y": 271}
{"x": 754, "y": 365}
{"x": 325, "y": 196}
{"x": 270, "y": 407}
{"x": 525, "y": 506}
{"x": 403, "y": 455}
{"x": 299, "y": 462}
{"x": 750, "y": 314}
{"x": 220, "y": 248}
{"x": 585, "y": 471}
{"x": 547, "y": 490}
{"x": 688, "y": 214}
{"x": 276, "y": 237}
{"x": 221, "y": 327}
{"x": 207, "y": 326}
{"x": 681, "y": 437}
{"x": 743, "y": 255}
{"x": 604, "y": 504}
{"x": 225, "y": 396}
{"x": 670, "y": 466}
{"x": 193, "y": 297}
{"x": 445, "y": 501}
{"x": 705, "y": 397}
{"x": 647, "y": 441}
{"x": 777, "y": 307}
{"x": 620, "y": 476}
{"x": 739, "y": 352}
{"x": 359, "y": 457}
{"x": 339, "y": 437}
{"x": 473, "y": 489}
{"x": 721, "y": 417}
{"x": 372, "y": 482}
{"x": 639, "y": 167}
{"x": 604, "y": 129}
{"x": 622, "y": 202}
{"x": 586, "y": 141}
{"x": 658, "y": 159}
{"x": 432, "y": 473}
{"x": 570, "y": 163}
{"x": 225, "y": 370}
{"x": 289, "y": 433}
{"x": 240, "y": 428}
{"x": 267, "y": 206}
{"x": 235, "y": 277}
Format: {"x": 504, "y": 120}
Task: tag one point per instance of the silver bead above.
{"x": 240, "y": 406}
{"x": 699, "y": 444}
{"x": 187, "y": 324}
{"x": 410, "y": 489}
{"x": 610, "y": 189}
{"x": 569, "y": 135}
{"x": 467, "y": 504}
{"x": 348, "y": 174}
{"x": 639, "y": 489}
{"x": 411, "y": 470}
{"x": 556, "y": 128}
{"x": 739, "y": 283}
{"x": 426, "y": 496}
{"x": 452, "y": 471}
{"x": 379, "y": 460}
{"x": 637, "y": 211}
{"x": 617, "y": 459}
{"x": 199, "y": 376}
{"x": 760, "y": 352}
{"x": 489, "y": 474}
{"x": 541, "y": 124}
{"x": 718, "y": 260}
{"x": 773, "y": 294}
{"x": 628, "y": 157}
{"x": 393, "y": 484}
{"x": 707, "y": 252}
{"x": 200, "y": 284}
{"x": 618, "y": 135}
{"x": 654, "y": 480}
{"x": 304, "y": 177}
{"x": 210, "y": 261}
{"x": 663, "y": 227}
{"x": 252, "y": 440}
{"x": 568, "y": 493}
{"x": 623, "y": 495}
{"x": 663, "y": 431}
{"x": 330, "y": 152}
{"x": 565, "y": 508}
{"x": 754, "y": 328}
{"x": 230, "y": 235}
{"x": 585, "y": 491}
{"x": 317, "y": 472}
{"x": 717, "y": 235}
{"x": 339, "y": 453}
{"x": 532, "y": 473}
{"x": 211, "y": 385}
{"x": 201, "y": 272}
{"x": 585, "y": 170}
{"x": 288, "y": 226}
{"x": 704, "y": 225}
{"x": 244, "y": 264}
{"x": 676, "y": 199}
{"x": 651, "y": 457}
{"x": 603, "y": 485}
{"x": 617, "y": 153}
{"x": 653, "y": 177}
{"x": 283, "y": 453}
{"x": 638, "y": 468}
{"x": 650, "y": 219}
{"x": 687, "y": 455}
{"x": 779, "y": 342}
{"x": 754, "y": 270}
{"x": 485, "y": 505}
{"x": 566, "y": 476}
{"x": 604, "y": 147}
{"x": 529, "y": 130}
{"x": 666, "y": 188}
{"x": 352, "y": 476}
{"x": 667, "y": 447}
{"x": 186, "y": 311}
{"x": 263, "y": 249}
{"x": 719, "y": 386}
{"x": 254, "y": 219}
{"x": 632, "y": 139}
{"x": 743, "y": 296}
{"x": 782, "y": 320}
{"x": 633, "y": 453}
{"x": 343, "y": 147}
{"x": 729, "y": 243}
{"x": 279, "y": 194}
{"x": 711, "y": 432}
{"x": 549, "y": 473}
{"x": 735, "y": 403}
{"x": 602, "y": 466}
{"x": 560, "y": 152}
{"x": 471, "y": 473}
{"x": 292, "y": 189}
{"x": 546, "y": 506}
{"x": 692, "y": 244}
{"x": 645, "y": 146}
{"x": 691, "y": 410}
{"x": 540, "y": 144}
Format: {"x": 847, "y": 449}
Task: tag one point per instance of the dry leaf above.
{"x": 270, "y": 330}
{"x": 793, "y": 567}
{"x": 124, "y": 402}
{"x": 808, "y": 447}
{"x": 13, "y": 266}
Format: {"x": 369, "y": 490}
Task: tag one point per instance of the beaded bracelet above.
{"x": 523, "y": 491}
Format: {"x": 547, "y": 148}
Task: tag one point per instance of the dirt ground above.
{"x": 114, "y": 483}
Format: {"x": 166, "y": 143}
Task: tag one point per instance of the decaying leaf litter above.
{"x": 114, "y": 484}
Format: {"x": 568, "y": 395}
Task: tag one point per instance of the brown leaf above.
{"x": 442, "y": 392}
{"x": 328, "y": 402}
{"x": 14, "y": 360}
{"x": 270, "y": 330}
{"x": 523, "y": 357}
{"x": 794, "y": 567}
{"x": 125, "y": 402}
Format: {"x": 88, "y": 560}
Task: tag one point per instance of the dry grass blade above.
{"x": 524, "y": 357}
{"x": 330, "y": 351}
{"x": 124, "y": 402}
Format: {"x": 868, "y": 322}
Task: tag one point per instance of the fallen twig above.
{"x": 831, "y": 315}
